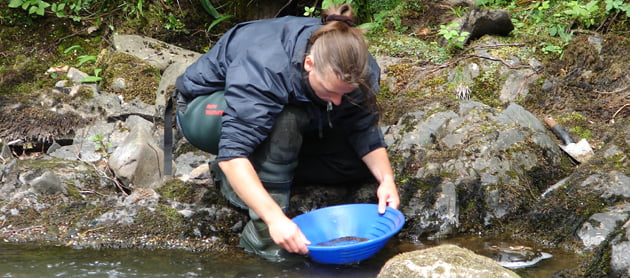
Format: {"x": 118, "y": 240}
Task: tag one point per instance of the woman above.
{"x": 295, "y": 89}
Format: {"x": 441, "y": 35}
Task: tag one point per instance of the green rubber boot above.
{"x": 226, "y": 189}
{"x": 255, "y": 237}
{"x": 275, "y": 161}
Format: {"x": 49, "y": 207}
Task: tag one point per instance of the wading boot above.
{"x": 275, "y": 161}
{"x": 226, "y": 188}
{"x": 255, "y": 237}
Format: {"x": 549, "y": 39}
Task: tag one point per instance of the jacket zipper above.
{"x": 329, "y": 108}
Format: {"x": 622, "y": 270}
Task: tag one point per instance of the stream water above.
{"x": 25, "y": 260}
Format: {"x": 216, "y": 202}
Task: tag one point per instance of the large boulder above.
{"x": 469, "y": 167}
{"x": 138, "y": 161}
{"x": 443, "y": 261}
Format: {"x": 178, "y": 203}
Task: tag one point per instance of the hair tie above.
{"x": 338, "y": 17}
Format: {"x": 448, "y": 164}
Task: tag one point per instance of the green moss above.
{"x": 73, "y": 191}
{"x": 177, "y": 190}
{"x": 141, "y": 79}
{"x": 486, "y": 88}
{"x": 396, "y": 45}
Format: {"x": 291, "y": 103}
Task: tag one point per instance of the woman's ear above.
{"x": 308, "y": 63}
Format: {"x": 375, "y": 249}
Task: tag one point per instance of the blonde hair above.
{"x": 339, "y": 48}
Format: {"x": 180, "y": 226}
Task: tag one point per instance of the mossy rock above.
{"x": 139, "y": 79}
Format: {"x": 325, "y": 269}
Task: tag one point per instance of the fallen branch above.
{"x": 17, "y": 231}
{"x": 615, "y": 91}
{"x": 493, "y": 45}
{"x": 477, "y": 56}
{"x": 612, "y": 119}
{"x": 500, "y": 60}
{"x": 116, "y": 182}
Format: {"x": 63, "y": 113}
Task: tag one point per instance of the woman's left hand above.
{"x": 379, "y": 165}
{"x": 387, "y": 195}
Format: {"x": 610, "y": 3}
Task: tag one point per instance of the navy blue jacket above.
{"x": 260, "y": 66}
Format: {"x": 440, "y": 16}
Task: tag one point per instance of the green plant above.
{"x": 581, "y": 12}
{"x": 93, "y": 78}
{"x": 174, "y": 24}
{"x": 100, "y": 145}
{"x": 491, "y": 2}
{"x": 547, "y": 48}
{"x": 617, "y": 5}
{"x": 452, "y": 35}
{"x": 86, "y": 58}
{"x": 135, "y": 10}
{"x": 210, "y": 9}
{"x": 39, "y": 7}
{"x": 75, "y": 47}
{"x": 458, "y": 11}
{"x": 309, "y": 11}
{"x": 83, "y": 58}
{"x": 328, "y": 3}
{"x": 32, "y": 6}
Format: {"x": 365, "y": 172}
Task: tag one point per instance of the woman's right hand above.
{"x": 288, "y": 235}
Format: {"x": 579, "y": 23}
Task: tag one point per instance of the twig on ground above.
{"x": 612, "y": 119}
{"x": 615, "y": 91}
{"x": 477, "y": 56}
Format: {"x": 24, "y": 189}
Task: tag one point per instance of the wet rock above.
{"x": 465, "y": 164}
{"x": 515, "y": 257}
{"x": 445, "y": 261}
{"x": 620, "y": 261}
{"x": 600, "y": 225}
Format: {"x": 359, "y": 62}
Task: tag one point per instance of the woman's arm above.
{"x": 245, "y": 182}
{"x": 378, "y": 163}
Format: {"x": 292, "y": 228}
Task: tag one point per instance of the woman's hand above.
{"x": 378, "y": 163}
{"x": 387, "y": 195}
{"x": 288, "y": 235}
{"x": 246, "y": 184}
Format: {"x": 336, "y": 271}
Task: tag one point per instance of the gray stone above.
{"x": 138, "y": 161}
{"x": 169, "y": 76}
{"x": 443, "y": 261}
{"x": 43, "y": 182}
{"x": 157, "y": 53}
{"x": 620, "y": 261}
{"x": 479, "y": 22}
{"x": 599, "y": 226}
{"x": 516, "y": 114}
{"x": 516, "y": 85}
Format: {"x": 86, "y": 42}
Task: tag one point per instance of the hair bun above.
{"x": 338, "y": 17}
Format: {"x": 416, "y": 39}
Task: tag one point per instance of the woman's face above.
{"x": 328, "y": 88}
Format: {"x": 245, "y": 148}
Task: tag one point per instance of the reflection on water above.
{"x": 23, "y": 260}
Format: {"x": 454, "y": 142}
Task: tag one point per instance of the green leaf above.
{"x": 91, "y": 79}
{"x": 139, "y": 7}
{"x": 15, "y": 3}
{"x": 209, "y": 8}
{"x": 97, "y": 137}
{"x": 218, "y": 20}
{"x": 86, "y": 58}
